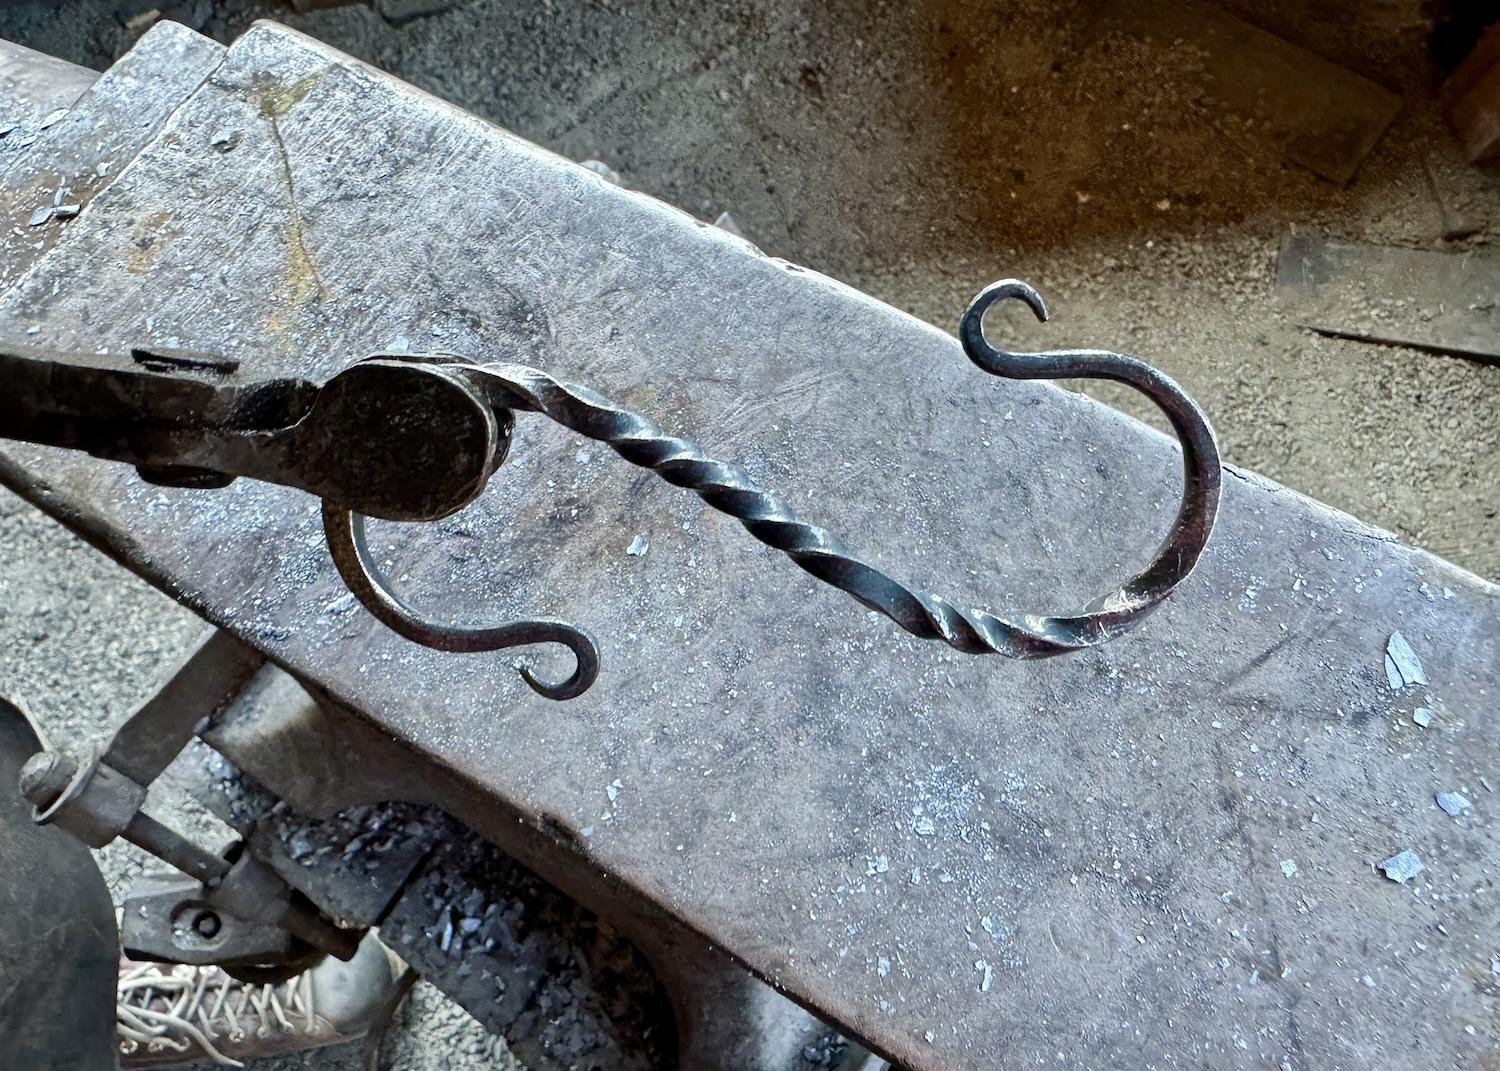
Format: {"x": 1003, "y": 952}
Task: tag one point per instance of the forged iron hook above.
{"x": 1202, "y": 470}
{"x": 731, "y": 490}
{"x": 347, "y": 542}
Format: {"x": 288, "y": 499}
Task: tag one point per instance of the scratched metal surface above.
{"x": 33, "y": 87}
{"x": 973, "y": 863}
{"x": 82, "y": 152}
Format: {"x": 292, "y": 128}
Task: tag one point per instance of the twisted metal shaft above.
{"x": 731, "y": 490}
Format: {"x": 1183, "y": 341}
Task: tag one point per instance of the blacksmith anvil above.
{"x": 961, "y": 862}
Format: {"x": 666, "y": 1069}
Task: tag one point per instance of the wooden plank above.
{"x": 1444, "y": 302}
{"x": 1484, "y": 56}
{"x": 1476, "y": 117}
{"x": 1160, "y": 852}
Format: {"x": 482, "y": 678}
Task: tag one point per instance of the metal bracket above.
{"x": 168, "y": 919}
{"x": 98, "y": 796}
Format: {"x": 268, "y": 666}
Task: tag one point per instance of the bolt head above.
{"x": 44, "y": 777}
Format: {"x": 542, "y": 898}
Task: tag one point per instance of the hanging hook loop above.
{"x": 347, "y": 542}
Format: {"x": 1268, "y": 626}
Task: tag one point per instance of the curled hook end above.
{"x": 345, "y": 534}
{"x": 1008, "y": 289}
{"x": 585, "y": 669}
{"x": 971, "y": 326}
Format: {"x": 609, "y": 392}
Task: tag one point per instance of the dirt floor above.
{"x": 917, "y": 151}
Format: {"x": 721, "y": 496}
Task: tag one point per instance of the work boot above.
{"x": 167, "y": 1015}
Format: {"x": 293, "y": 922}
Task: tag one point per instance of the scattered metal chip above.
{"x": 6, "y": 128}
{"x": 638, "y": 546}
{"x": 224, "y": 140}
{"x": 1454, "y": 804}
{"x": 1422, "y": 716}
{"x": 67, "y": 211}
{"x": 1402, "y": 867}
{"x": 1402, "y": 666}
{"x": 726, "y": 222}
{"x": 1289, "y": 868}
{"x": 53, "y": 118}
{"x": 341, "y": 605}
{"x": 603, "y": 170}
{"x": 40, "y": 216}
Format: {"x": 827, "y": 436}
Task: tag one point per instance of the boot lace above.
{"x": 165, "y": 1007}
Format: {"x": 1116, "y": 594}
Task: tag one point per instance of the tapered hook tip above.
{"x": 344, "y": 531}
{"x": 585, "y": 670}
{"x": 971, "y": 334}
{"x": 1008, "y": 289}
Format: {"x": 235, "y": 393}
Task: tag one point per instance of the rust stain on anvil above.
{"x": 306, "y": 285}
{"x": 278, "y": 99}
{"x": 147, "y": 238}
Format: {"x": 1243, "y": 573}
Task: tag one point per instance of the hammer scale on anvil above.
{"x": 416, "y": 437}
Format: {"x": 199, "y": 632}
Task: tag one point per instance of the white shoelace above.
{"x": 175, "y": 1007}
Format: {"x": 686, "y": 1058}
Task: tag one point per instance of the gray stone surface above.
{"x": 1401, "y": 438}
{"x": 1112, "y": 816}
{"x": 34, "y": 88}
